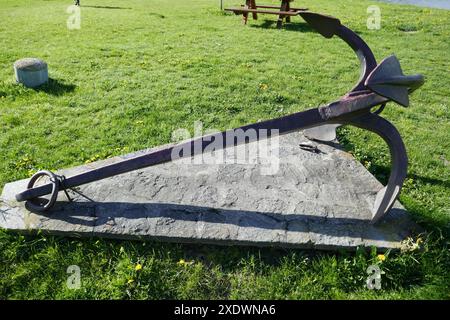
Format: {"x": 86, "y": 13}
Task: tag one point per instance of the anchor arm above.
{"x": 399, "y": 160}
{"x": 329, "y": 26}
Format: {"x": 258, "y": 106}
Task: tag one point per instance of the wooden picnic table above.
{"x": 284, "y": 11}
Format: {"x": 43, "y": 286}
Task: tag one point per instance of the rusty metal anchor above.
{"x": 378, "y": 85}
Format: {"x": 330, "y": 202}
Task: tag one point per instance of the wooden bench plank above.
{"x": 282, "y": 13}
{"x": 278, "y": 7}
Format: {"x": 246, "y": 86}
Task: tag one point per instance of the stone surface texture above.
{"x": 317, "y": 200}
{"x": 31, "y": 72}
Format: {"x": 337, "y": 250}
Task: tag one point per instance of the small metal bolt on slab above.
{"x": 31, "y": 72}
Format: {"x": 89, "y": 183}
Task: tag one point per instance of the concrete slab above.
{"x": 319, "y": 200}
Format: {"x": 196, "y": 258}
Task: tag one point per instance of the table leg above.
{"x": 253, "y": 6}
{"x": 288, "y": 8}
{"x": 280, "y": 17}
{"x": 245, "y": 14}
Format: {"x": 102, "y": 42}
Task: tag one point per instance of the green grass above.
{"x": 131, "y": 76}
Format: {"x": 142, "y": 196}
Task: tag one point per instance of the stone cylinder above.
{"x": 31, "y": 72}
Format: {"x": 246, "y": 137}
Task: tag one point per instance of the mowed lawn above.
{"x": 137, "y": 70}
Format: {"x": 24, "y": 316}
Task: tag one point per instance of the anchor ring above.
{"x": 45, "y": 204}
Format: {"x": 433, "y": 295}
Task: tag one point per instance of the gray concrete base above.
{"x": 315, "y": 200}
{"x": 31, "y": 72}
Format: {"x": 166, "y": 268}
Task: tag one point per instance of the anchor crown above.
{"x": 388, "y": 80}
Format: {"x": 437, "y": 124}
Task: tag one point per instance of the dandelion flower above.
{"x": 184, "y": 263}
{"x": 381, "y": 257}
{"x": 138, "y": 267}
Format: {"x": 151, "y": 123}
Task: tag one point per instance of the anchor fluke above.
{"x": 327, "y": 26}
{"x": 388, "y": 80}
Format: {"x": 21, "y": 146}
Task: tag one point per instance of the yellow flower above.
{"x": 410, "y": 245}
{"x": 138, "y": 267}
{"x": 130, "y": 281}
{"x": 381, "y": 257}
{"x": 184, "y": 263}
{"x": 263, "y": 86}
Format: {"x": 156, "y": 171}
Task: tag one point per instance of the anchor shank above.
{"x": 283, "y": 125}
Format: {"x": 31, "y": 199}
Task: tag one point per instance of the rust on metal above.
{"x": 378, "y": 85}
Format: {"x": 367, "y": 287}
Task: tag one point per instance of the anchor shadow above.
{"x": 105, "y": 215}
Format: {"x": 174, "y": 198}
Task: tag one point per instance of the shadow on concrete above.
{"x": 98, "y": 214}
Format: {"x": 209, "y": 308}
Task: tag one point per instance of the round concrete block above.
{"x": 31, "y": 72}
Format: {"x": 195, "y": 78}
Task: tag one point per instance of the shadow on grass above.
{"x": 55, "y": 87}
{"x": 420, "y": 213}
{"x": 432, "y": 181}
{"x": 156, "y": 15}
{"x": 290, "y": 26}
{"x": 107, "y": 7}
{"x": 382, "y": 174}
